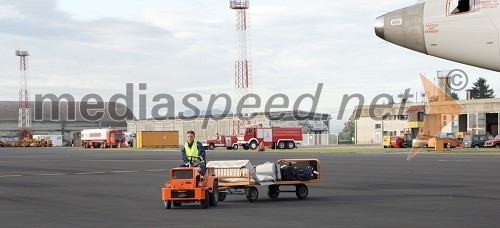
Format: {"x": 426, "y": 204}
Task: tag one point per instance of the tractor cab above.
{"x": 186, "y": 185}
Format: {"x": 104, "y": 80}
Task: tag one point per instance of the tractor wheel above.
{"x": 167, "y": 204}
{"x": 290, "y": 145}
{"x": 301, "y": 191}
{"x": 273, "y": 191}
{"x": 246, "y": 147}
{"x": 204, "y": 203}
{"x": 211, "y": 146}
{"x": 214, "y": 196}
{"x": 252, "y": 194}
{"x": 222, "y": 196}
{"x": 235, "y": 147}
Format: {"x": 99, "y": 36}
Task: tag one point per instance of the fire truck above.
{"x": 274, "y": 137}
{"x": 102, "y": 138}
{"x": 228, "y": 141}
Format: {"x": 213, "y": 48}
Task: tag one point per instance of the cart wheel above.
{"x": 252, "y": 194}
{"x": 222, "y": 196}
{"x": 167, "y": 204}
{"x": 177, "y": 204}
{"x": 273, "y": 191}
{"x": 204, "y": 203}
{"x": 214, "y": 196}
{"x": 301, "y": 191}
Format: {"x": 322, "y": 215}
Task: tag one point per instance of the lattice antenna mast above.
{"x": 24, "y": 99}
{"x": 242, "y": 79}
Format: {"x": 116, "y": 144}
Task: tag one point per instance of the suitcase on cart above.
{"x": 269, "y": 169}
{"x": 288, "y": 173}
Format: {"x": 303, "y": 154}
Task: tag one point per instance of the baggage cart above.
{"x": 240, "y": 177}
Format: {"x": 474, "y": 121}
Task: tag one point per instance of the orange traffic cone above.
{"x": 261, "y": 147}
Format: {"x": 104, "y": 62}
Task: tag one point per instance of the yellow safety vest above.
{"x": 193, "y": 151}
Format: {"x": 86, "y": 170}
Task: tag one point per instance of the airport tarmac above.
{"x": 64, "y": 187}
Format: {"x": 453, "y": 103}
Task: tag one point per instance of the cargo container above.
{"x": 157, "y": 139}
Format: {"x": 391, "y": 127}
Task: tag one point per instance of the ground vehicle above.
{"x": 386, "y": 141}
{"x": 2, "y": 144}
{"x": 493, "y": 142}
{"x": 275, "y": 137}
{"x": 56, "y": 139}
{"x": 396, "y": 142}
{"x": 186, "y": 185}
{"x": 476, "y": 140}
{"x": 228, "y": 141}
{"x": 104, "y": 138}
{"x": 240, "y": 177}
{"x": 459, "y": 136}
{"x": 421, "y": 141}
{"x": 401, "y": 142}
{"x": 447, "y": 139}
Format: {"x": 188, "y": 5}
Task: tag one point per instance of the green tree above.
{"x": 454, "y": 96}
{"x": 482, "y": 90}
{"x": 349, "y": 127}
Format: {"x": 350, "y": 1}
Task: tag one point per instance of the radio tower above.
{"x": 24, "y": 100}
{"x": 242, "y": 78}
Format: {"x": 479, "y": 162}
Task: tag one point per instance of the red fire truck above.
{"x": 105, "y": 138}
{"x": 228, "y": 141}
{"x": 275, "y": 137}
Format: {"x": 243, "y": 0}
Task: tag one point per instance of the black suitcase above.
{"x": 304, "y": 174}
{"x": 288, "y": 173}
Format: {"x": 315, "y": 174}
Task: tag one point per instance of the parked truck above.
{"x": 102, "y": 138}
{"x": 228, "y": 141}
{"x": 275, "y": 137}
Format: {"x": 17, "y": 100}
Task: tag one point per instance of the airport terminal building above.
{"x": 479, "y": 116}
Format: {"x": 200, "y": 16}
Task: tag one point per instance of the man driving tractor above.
{"x": 193, "y": 153}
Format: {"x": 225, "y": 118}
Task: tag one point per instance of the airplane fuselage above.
{"x": 465, "y": 31}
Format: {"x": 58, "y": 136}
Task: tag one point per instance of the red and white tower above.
{"x": 24, "y": 99}
{"x": 242, "y": 79}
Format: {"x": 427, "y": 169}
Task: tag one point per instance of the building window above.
{"x": 378, "y": 126}
{"x": 420, "y": 116}
{"x": 460, "y": 6}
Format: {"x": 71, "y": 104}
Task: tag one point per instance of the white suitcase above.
{"x": 269, "y": 169}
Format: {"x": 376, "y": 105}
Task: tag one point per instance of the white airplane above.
{"x": 465, "y": 31}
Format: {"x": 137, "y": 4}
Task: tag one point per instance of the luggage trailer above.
{"x": 240, "y": 177}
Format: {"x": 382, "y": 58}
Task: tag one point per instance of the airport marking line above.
{"x": 82, "y": 173}
{"x": 11, "y": 176}
{"x": 51, "y": 174}
{"x": 455, "y": 160}
{"x": 90, "y": 173}
{"x": 155, "y": 170}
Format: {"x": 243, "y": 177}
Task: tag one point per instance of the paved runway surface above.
{"x": 55, "y": 187}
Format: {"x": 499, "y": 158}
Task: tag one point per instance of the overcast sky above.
{"x": 181, "y": 47}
